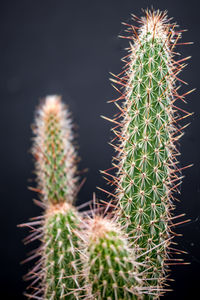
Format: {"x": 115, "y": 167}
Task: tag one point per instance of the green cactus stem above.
{"x": 146, "y": 132}
{"x": 109, "y": 263}
{"x": 60, "y": 253}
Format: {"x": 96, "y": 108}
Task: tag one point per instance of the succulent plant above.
{"x": 146, "y": 133}
{"x": 109, "y": 265}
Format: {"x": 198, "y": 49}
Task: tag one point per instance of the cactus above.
{"x": 56, "y": 159}
{"x": 126, "y": 256}
{"x": 109, "y": 264}
{"x": 146, "y": 132}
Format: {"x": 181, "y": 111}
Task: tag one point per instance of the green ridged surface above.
{"x": 111, "y": 269}
{"x": 60, "y": 255}
{"x": 147, "y": 154}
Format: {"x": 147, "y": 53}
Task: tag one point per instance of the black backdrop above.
{"x": 69, "y": 48}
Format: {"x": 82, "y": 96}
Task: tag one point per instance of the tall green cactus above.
{"x": 146, "y": 132}
{"x": 55, "y": 157}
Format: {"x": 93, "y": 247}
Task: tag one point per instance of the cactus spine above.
{"x": 57, "y": 182}
{"x": 146, "y": 131}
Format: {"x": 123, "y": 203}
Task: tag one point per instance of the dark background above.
{"x": 69, "y": 48}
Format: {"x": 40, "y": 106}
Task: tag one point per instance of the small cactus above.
{"x": 109, "y": 263}
{"x": 146, "y": 132}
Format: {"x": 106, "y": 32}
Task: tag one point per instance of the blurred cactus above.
{"x": 56, "y": 160}
{"x": 54, "y": 152}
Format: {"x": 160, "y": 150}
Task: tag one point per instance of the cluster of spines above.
{"x": 55, "y": 274}
{"x": 109, "y": 264}
{"x": 146, "y": 131}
